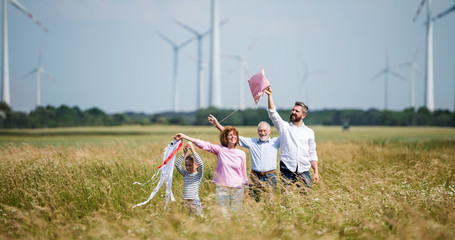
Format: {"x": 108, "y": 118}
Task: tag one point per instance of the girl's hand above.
{"x": 190, "y": 146}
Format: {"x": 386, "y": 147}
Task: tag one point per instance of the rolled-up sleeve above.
{"x": 312, "y": 148}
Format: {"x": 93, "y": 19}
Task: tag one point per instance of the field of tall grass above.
{"x": 76, "y": 183}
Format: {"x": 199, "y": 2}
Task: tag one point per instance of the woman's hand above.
{"x": 179, "y": 136}
{"x": 213, "y": 120}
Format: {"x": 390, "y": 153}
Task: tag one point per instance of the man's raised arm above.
{"x": 269, "y": 93}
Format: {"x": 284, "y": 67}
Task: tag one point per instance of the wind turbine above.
{"x": 200, "y": 78}
{"x": 386, "y": 71}
{"x": 306, "y": 75}
{"x": 243, "y": 73}
{"x": 436, "y": 18}
{"x": 176, "y": 49}
{"x": 5, "y": 77}
{"x": 39, "y": 70}
{"x": 215, "y": 81}
{"x": 413, "y": 68}
{"x": 429, "y": 81}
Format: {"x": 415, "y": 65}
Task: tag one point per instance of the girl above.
{"x": 192, "y": 176}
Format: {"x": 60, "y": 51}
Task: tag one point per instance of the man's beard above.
{"x": 295, "y": 119}
{"x": 263, "y": 138}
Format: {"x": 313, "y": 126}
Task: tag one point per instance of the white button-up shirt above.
{"x": 263, "y": 154}
{"x": 298, "y": 146}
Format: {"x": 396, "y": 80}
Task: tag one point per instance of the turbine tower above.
{"x": 429, "y": 81}
{"x": 243, "y": 73}
{"x": 215, "y": 81}
{"x": 39, "y": 70}
{"x": 176, "y": 49}
{"x": 200, "y": 73}
{"x": 413, "y": 68}
{"x": 386, "y": 71}
{"x": 305, "y": 78}
{"x": 5, "y": 76}
{"x": 436, "y": 18}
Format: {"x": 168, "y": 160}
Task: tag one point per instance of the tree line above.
{"x": 65, "y": 116}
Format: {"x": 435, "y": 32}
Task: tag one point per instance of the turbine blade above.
{"x": 418, "y": 10}
{"x": 383, "y": 71}
{"x": 444, "y": 13}
{"x": 30, "y": 73}
{"x": 166, "y": 39}
{"x": 49, "y": 76}
{"x": 21, "y": 8}
{"x": 221, "y": 24}
{"x": 187, "y": 42}
{"x": 186, "y": 27}
{"x": 397, "y": 75}
{"x": 234, "y": 69}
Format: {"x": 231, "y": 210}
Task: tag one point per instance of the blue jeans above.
{"x": 260, "y": 183}
{"x": 288, "y": 177}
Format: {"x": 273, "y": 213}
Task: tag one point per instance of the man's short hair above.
{"x": 266, "y": 123}
{"x": 304, "y": 107}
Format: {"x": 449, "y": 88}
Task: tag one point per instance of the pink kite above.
{"x": 258, "y": 84}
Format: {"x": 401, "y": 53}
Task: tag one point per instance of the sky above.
{"x": 107, "y": 53}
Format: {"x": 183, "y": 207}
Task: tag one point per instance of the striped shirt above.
{"x": 191, "y": 182}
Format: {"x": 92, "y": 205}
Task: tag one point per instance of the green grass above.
{"x": 376, "y": 183}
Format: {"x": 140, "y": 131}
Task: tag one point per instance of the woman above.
{"x": 230, "y": 173}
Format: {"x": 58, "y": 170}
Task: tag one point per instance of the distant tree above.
{"x": 118, "y": 119}
{"x": 96, "y": 117}
{"x": 43, "y": 117}
{"x": 423, "y": 117}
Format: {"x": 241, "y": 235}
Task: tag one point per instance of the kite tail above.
{"x": 151, "y": 179}
{"x": 151, "y": 195}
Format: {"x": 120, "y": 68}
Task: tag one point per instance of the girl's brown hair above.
{"x": 224, "y": 134}
{"x": 191, "y": 157}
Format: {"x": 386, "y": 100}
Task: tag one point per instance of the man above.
{"x": 298, "y": 147}
{"x": 263, "y": 153}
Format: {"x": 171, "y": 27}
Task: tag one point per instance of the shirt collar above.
{"x": 292, "y": 124}
{"x": 259, "y": 140}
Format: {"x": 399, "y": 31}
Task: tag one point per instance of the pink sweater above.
{"x": 231, "y": 167}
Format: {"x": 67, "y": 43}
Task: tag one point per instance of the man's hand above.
{"x": 316, "y": 179}
{"x": 268, "y": 91}
{"x": 271, "y": 104}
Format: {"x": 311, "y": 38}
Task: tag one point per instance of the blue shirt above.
{"x": 263, "y": 154}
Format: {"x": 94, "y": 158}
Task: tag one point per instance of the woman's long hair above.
{"x": 224, "y": 134}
